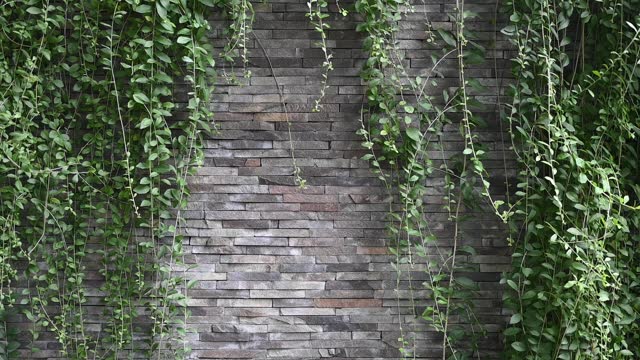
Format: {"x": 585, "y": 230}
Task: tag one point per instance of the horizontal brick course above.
{"x": 347, "y": 303}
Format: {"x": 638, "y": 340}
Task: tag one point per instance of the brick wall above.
{"x": 287, "y": 273}
{"x": 290, "y": 273}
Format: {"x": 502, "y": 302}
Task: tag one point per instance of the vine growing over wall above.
{"x": 241, "y": 16}
{"x": 96, "y": 142}
{"x": 317, "y": 18}
{"x": 574, "y": 286}
{"x": 405, "y": 125}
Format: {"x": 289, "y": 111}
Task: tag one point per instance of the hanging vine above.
{"x": 574, "y": 120}
{"x": 95, "y": 146}
{"x": 317, "y": 19}
{"x": 405, "y": 124}
{"x": 241, "y": 16}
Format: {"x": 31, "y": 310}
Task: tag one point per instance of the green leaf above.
{"x": 447, "y": 37}
{"x": 518, "y": 346}
{"x": 603, "y": 296}
{"x": 145, "y": 123}
{"x": 183, "y": 40}
{"x": 162, "y": 12}
{"x": 582, "y": 178}
{"x": 140, "y": 98}
{"x": 512, "y": 331}
{"x": 34, "y": 10}
{"x": 574, "y": 231}
{"x": 143, "y": 9}
{"x": 414, "y": 134}
{"x": 141, "y": 189}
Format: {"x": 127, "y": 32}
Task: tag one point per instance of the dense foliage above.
{"x": 575, "y": 217}
{"x": 574, "y": 120}
{"x": 96, "y": 140}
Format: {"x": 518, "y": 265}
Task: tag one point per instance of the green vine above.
{"x": 241, "y": 16}
{"x": 317, "y": 19}
{"x": 574, "y": 120}
{"x": 96, "y": 146}
{"x": 405, "y": 124}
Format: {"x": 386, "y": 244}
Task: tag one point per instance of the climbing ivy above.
{"x": 404, "y": 126}
{"x": 96, "y": 140}
{"x": 574, "y": 122}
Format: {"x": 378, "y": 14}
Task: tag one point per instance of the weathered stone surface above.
{"x": 347, "y": 303}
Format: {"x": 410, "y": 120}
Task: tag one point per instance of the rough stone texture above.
{"x": 290, "y": 273}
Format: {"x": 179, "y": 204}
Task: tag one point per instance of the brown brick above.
{"x": 252, "y": 162}
{"x": 319, "y": 207}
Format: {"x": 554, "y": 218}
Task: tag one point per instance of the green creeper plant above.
{"x": 404, "y": 126}
{"x": 96, "y": 142}
{"x": 574, "y": 123}
{"x": 241, "y": 16}
{"x": 317, "y": 18}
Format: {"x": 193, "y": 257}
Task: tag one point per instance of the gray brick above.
{"x": 295, "y": 328}
{"x": 248, "y": 259}
{"x": 276, "y": 294}
{"x": 288, "y": 336}
{"x": 244, "y": 302}
{"x": 260, "y": 241}
{"x": 299, "y": 285}
{"x": 307, "y": 311}
{"x": 300, "y": 224}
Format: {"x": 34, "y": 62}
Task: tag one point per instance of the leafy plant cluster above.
{"x": 574, "y": 222}
{"x": 96, "y": 140}
{"x": 404, "y": 127}
{"x": 574, "y": 287}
